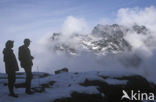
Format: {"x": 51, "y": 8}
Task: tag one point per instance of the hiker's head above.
{"x": 9, "y": 44}
{"x": 27, "y": 42}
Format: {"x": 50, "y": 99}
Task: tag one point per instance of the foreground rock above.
{"x": 61, "y": 70}
{"x": 112, "y": 91}
{"x": 81, "y": 87}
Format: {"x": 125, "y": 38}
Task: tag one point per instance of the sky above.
{"x": 34, "y": 19}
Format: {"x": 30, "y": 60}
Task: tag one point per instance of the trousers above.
{"x": 29, "y": 77}
{"x": 11, "y": 81}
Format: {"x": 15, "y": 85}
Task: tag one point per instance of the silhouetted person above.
{"x": 26, "y": 58}
{"x": 11, "y": 66}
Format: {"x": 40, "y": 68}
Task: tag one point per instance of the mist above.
{"x": 143, "y": 47}
{"x": 141, "y": 59}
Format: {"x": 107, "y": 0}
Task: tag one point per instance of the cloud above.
{"x": 143, "y": 45}
{"x": 142, "y": 16}
{"x": 73, "y": 25}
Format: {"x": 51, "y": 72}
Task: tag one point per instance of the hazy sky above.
{"x": 33, "y": 19}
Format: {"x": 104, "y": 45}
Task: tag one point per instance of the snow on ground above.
{"x": 65, "y": 84}
{"x": 114, "y": 81}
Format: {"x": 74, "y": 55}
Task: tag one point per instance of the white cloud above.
{"x": 140, "y": 16}
{"x": 145, "y": 16}
{"x": 74, "y": 25}
{"x": 144, "y": 45}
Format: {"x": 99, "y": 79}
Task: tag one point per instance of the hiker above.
{"x": 11, "y": 66}
{"x": 25, "y": 59}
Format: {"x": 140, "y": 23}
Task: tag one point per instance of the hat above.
{"x": 27, "y": 40}
{"x": 10, "y": 42}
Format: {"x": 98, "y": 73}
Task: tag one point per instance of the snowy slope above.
{"x": 69, "y": 86}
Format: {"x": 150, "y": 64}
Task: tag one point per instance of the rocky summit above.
{"x": 103, "y": 39}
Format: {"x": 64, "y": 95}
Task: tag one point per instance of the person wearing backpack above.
{"x": 26, "y": 62}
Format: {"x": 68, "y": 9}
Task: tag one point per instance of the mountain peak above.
{"x": 102, "y": 40}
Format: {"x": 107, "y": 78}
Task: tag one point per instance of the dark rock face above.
{"x": 112, "y": 93}
{"x": 61, "y": 70}
{"x": 140, "y": 29}
{"x": 112, "y": 37}
{"x": 109, "y": 31}
{"x": 103, "y": 39}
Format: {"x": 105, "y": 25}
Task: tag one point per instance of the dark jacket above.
{"x": 24, "y": 55}
{"x": 10, "y": 60}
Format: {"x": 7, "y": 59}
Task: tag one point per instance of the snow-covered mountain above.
{"x": 102, "y": 40}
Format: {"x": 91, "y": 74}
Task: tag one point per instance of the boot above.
{"x": 29, "y": 92}
{"x": 13, "y": 95}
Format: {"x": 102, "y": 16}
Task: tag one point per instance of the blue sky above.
{"x": 33, "y": 18}
{"x": 21, "y": 19}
